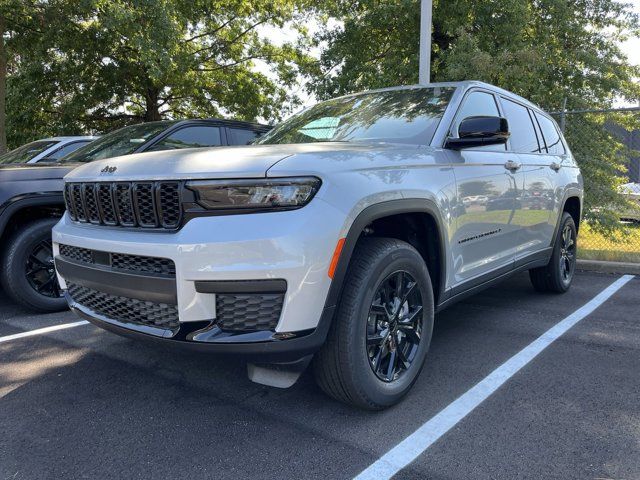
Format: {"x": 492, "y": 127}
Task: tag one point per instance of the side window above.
{"x": 523, "y": 137}
{"x": 478, "y": 104}
{"x": 240, "y": 136}
{"x": 61, "y": 152}
{"x": 551, "y": 135}
{"x": 190, "y": 137}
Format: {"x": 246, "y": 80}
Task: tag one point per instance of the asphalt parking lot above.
{"x": 84, "y": 403}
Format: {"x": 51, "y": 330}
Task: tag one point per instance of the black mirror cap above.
{"x": 478, "y": 131}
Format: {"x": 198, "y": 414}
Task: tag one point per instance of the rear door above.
{"x": 486, "y": 239}
{"x": 535, "y": 205}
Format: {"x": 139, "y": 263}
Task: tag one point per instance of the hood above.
{"x": 251, "y": 161}
{"x": 34, "y": 171}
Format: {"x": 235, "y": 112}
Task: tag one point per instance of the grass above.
{"x": 593, "y": 246}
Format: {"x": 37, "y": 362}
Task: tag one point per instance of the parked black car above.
{"x": 31, "y": 198}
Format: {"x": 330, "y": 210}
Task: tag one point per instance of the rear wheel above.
{"x": 557, "y": 275}
{"x": 382, "y": 329}
{"x": 28, "y": 273}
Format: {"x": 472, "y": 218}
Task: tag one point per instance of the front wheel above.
{"x": 557, "y": 275}
{"x": 28, "y": 273}
{"x": 381, "y": 332}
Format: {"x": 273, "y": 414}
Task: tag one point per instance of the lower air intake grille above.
{"x": 248, "y": 312}
{"x": 76, "y": 253}
{"x": 124, "y": 309}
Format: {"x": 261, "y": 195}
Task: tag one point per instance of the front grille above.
{"x": 248, "y": 312}
{"x": 125, "y": 204}
{"x": 120, "y": 261}
{"x": 124, "y": 309}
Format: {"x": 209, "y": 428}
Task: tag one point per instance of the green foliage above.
{"x": 595, "y": 141}
{"x": 544, "y": 50}
{"x": 79, "y": 65}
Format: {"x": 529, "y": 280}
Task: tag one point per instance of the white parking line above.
{"x": 415, "y": 444}
{"x": 40, "y": 331}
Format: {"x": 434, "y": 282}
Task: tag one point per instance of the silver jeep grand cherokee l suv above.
{"x": 333, "y": 240}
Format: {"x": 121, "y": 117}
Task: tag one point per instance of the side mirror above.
{"x": 479, "y": 131}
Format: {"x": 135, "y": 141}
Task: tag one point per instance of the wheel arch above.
{"x": 24, "y": 208}
{"x": 409, "y": 210}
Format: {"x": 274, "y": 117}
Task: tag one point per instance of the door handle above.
{"x": 512, "y": 165}
{"x": 555, "y": 166}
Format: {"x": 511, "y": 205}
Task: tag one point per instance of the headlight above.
{"x": 252, "y": 194}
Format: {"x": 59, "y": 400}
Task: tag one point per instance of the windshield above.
{"x": 121, "y": 142}
{"x": 395, "y": 116}
{"x": 27, "y": 152}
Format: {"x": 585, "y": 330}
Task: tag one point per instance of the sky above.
{"x": 632, "y": 46}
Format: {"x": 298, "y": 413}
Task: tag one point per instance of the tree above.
{"x": 98, "y": 64}
{"x": 544, "y": 50}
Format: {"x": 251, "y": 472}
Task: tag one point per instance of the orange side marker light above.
{"x": 336, "y": 256}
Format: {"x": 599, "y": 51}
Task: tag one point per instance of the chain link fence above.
{"x": 606, "y": 144}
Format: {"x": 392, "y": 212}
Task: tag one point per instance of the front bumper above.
{"x": 206, "y": 337}
{"x": 294, "y": 247}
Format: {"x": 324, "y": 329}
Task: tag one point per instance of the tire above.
{"x": 557, "y": 275}
{"x": 344, "y": 367}
{"x": 32, "y": 238}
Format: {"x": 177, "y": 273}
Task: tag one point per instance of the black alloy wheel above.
{"x": 394, "y": 326}
{"x": 27, "y": 270}
{"x": 568, "y": 254}
{"x": 40, "y": 270}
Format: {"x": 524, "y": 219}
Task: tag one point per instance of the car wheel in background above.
{"x": 28, "y": 273}
{"x": 557, "y": 275}
{"x": 381, "y": 332}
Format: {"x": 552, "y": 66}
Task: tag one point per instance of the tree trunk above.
{"x": 3, "y": 88}
{"x": 152, "y": 112}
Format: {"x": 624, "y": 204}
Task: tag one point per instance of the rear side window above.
{"x": 190, "y": 137}
{"x": 523, "y": 137}
{"x": 240, "y": 136}
{"x": 478, "y": 104}
{"x": 551, "y": 135}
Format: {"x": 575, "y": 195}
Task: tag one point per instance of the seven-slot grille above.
{"x": 125, "y": 204}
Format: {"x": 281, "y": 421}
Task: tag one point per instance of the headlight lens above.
{"x": 268, "y": 194}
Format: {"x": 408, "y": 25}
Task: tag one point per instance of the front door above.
{"x": 488, "y": 187}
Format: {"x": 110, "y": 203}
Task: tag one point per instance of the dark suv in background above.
{"x": 31, "y": 199}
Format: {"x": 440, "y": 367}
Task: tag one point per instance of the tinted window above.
{"x": 27, "y": 152}
{"x": 551, "y": 135}
{"x": 478, "y": 104}
{"x": 121, "y": 142}
{"x": 66, "y": 150}
{"x": 397, "y": 116}
{"x": 523, "y": 135}
{"x": 239, "y": 136}
{"x": 190, "y": 137}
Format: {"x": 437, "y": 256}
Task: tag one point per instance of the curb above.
{"x": 608, "y": 267}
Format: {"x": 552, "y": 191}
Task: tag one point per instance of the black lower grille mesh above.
{"x": 248, "y": 312}
{"x": 122, "y": 261}
{"x": 124, "y": 309}
{"x": 76, "y": 253}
